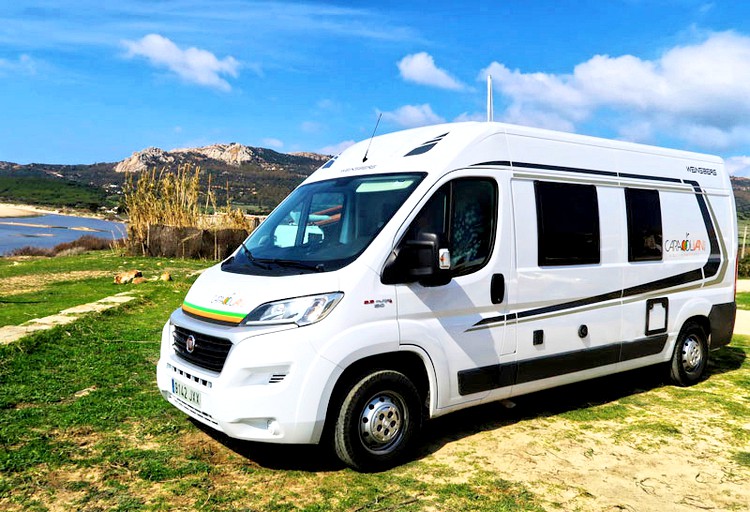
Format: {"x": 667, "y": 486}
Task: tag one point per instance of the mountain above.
{"x": 256, "y": 178}
{"x": 233, "y": 155}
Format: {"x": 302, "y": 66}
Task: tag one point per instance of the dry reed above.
{"x": 174, "y": 199}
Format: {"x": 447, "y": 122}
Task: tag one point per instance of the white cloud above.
{"x": 311, "y": 127}
{"x": 738, "y": 165}
{"x": 192, "y": 64}
{"x": 24, "y": 65}
{"x": 467, "y": 116}
{"x": 273, "y": 143}
{"x": 698, "y": 92}
{"x": 411, "y": 116}
{"x": 335, "y": 149}
{"x": 420, "y": 68}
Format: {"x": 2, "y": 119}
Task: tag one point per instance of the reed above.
{"x": 175, "y": 199}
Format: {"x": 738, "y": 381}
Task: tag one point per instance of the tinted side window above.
{"x": 644, "y": 224}
{"x": 463, "y": 214}
{"x": 472, "y": 225}
{"x": 567, "y": 223}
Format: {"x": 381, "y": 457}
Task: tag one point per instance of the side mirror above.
{"x": 418, "y": 260}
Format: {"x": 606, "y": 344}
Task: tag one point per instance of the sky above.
{"x": 89, "y": 81}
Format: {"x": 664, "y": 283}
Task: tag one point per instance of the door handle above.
{"x": 497, "y": 288}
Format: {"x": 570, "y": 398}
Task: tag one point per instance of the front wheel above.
{"x": 690, "y": 356}
{"x": 378, "y": 421}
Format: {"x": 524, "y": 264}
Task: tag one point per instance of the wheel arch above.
{"x": 411, "y": 363}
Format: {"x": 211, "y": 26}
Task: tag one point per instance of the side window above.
{"x": 472, "y": 227}
{"x": 463, "y": 214}
{"x": 567, "y": 223}
{"x": 644, "y": 224}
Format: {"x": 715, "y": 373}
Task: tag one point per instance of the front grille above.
{"x": 210, "y": 352}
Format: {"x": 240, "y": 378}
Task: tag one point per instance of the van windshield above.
{"x": 322, "y": 226}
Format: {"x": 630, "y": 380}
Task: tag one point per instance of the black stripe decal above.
{"x": 655, "y": 178}
{"x": 710, "y": 269}
{"x": 497, "y": 376}
{"x": 504, "y": 163}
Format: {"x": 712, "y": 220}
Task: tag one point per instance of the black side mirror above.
{"x": 416, "y": 260}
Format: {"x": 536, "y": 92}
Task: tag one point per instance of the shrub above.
{"x": 31, "y": 251}
{"x": 86, "y": 243}
{"x": 77, "y": 246}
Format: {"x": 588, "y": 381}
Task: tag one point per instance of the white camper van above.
{"x": 429, "y": 270}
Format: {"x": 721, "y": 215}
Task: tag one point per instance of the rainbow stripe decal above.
{"x": 213, "y": 314}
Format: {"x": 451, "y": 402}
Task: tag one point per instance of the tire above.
{"x": 690, "y": 356}
{"x": 378, "y": 421}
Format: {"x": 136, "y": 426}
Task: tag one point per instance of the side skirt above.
{"x": 496, "y": 376}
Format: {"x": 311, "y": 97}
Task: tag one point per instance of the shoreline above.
{"x": 14, "y": 210}
{"x": 8, "y": 210}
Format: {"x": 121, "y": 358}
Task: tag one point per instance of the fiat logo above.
{"x": 190, "y": 344}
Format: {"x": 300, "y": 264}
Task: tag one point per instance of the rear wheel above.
{"x": 378, "y": 421}
{"x": 690, "y": 356}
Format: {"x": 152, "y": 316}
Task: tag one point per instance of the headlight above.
{"x": 300, "y": 310}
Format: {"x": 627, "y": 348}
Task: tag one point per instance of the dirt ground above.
{"x": 28, "y": 283}
{"x": 571, "y": 468}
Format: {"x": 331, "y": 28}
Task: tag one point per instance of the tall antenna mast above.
{"x": 490, "y": 107}
{"x": 371, "y": 137}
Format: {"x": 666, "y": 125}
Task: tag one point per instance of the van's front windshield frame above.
{"x": 323, "y": 226}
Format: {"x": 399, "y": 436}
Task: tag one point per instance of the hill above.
{"x": 741, "y": 188}
{"x": 256, "y": 178}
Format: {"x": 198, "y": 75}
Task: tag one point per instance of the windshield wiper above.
{"x": 255, "y": 261}
{"x": 293, "y": 263}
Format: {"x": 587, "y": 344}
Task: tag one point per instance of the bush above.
{"x": 78, "y": 246}
{"x": 31, "y": 251}
{"x": 86, "y": 242}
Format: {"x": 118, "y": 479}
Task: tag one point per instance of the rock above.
{"x": 149, "y": 158}
{"x": 128, "y": 276}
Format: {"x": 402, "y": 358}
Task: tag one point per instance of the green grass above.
{"x": 50, "y": 192}
{"x": 743, "y": 300}
{"x": 83, "y": 426}
{"x": 19, "y": 306}
{"x": 742, "y": 458}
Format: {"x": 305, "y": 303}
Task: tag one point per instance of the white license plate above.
{"x": 187, "y": 394}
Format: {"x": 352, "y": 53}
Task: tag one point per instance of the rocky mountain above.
{"x": 233, "y": 154}
{"x": 257, "y": 178}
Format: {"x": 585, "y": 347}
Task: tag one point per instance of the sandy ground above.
{"x": 17, "y": 210}
{"x": 742, "y": 321}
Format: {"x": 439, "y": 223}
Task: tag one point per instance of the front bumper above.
{"x": 272, "y": 387}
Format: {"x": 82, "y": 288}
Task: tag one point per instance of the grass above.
{"x": 38, "y": 287}
{"x": 743, "y": 300}
{"x": 82, "y": 425}
{"x": 50, "y": 192}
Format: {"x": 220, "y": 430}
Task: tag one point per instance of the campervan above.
{"x": 429, "y": 270}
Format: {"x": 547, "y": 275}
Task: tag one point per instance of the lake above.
{"x": 50, "y": 230}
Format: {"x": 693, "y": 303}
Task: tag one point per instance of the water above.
{"x": 50, "y": 230}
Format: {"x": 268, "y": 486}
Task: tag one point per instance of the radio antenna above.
{"x": 371, "y": 137}
{"x": 490, "y": 106}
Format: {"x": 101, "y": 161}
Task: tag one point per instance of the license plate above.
{"x": 187, "y": 394}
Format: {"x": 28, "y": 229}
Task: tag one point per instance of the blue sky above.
{"x": 93, "y": 81}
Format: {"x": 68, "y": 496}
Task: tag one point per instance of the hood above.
{"x": 227, "y": 297}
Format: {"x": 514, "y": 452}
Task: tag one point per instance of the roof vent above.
{"x": 426, "y": 146}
